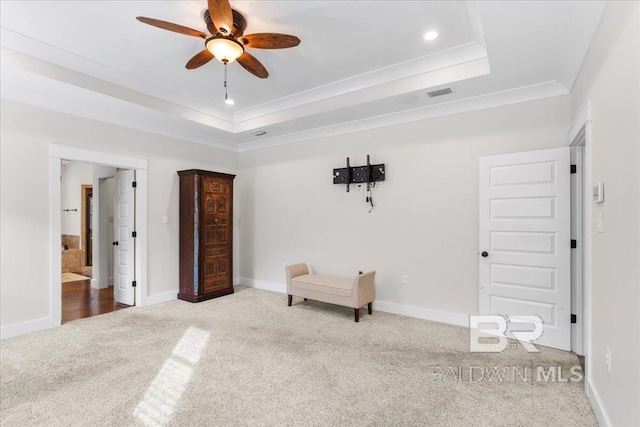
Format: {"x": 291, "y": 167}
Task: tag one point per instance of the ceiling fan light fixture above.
{"x": 224, "y": 50}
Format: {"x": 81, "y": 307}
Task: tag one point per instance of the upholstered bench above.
{"x": 352, "y": 293}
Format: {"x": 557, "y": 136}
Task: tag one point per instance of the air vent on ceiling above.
{"x": 439, "y": 92}
{"x": 259, "y": 133}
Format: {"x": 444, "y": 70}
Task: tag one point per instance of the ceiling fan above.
{"x": 227, "y": 41}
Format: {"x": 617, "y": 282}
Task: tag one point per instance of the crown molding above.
{"x": 362, "y": 83}
{"x": 54, "y": 56}
{"x": 34, "y": 89}
{"x": 461, "y": 69}
{"x": 83, "y": 103}
{"x": 418, "y": 73}
{"x": 414, "y": 70}
{"x": 66, "y": 98}
{"x": 492, "y": 100}
{"x": 20, "y": 62}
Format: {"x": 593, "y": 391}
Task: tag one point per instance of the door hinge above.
{"x": 574, "y": 243}
{"x": 574, "y": 318}
{"x": 574, "y": 169}
{"x": 134, "y": 284}
{"x": 134, "y": 234}
{"x": 134, "y": 184}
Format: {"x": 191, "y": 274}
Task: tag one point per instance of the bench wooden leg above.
{"x": 356, "y": 312}
{"x": 290, "y": 299}
{"x": 370, "y": 307}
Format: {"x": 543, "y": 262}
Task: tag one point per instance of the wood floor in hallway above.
{"x": 80, "y": 300}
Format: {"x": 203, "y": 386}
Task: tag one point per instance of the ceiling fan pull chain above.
{"x": 226, "y": 94}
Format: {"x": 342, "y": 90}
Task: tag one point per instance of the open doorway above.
{"x": 83, "y": 294}
{"x": 133, "y": 274}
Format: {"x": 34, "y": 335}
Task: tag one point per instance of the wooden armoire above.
{"x": 206, "y": 235}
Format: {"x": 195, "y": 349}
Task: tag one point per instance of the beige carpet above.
{"x": 248, "y": 359}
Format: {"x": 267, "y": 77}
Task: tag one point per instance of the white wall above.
{"x": 74, "y": 176}
{"x": 610, "y": 78}
{"x": 425, "y": 221}
{"x": 26, "y": 133}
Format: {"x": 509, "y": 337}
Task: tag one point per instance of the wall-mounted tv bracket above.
{"x": 358, "y": 175}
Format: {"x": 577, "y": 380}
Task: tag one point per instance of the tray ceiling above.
{"x": 358, "y": 60}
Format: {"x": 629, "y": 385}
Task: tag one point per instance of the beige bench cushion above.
{"x": 325, "y": 284}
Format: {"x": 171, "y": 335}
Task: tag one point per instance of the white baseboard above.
{"x": 11, "y": 331}
{"x": 596, "y": 404}
{"x": 451, "y": 318}
{"x": 160, "y": 298}
{"x": 260, "y": 284}
{"x": 96, "y": 284}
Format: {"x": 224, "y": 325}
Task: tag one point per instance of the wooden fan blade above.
{"x": 172, "y": 27}
{"x": 199, "y": 60}
{"x": 252, "y": 65}
{"x": 221, "y": 15}
{"x": 270, "y": 41}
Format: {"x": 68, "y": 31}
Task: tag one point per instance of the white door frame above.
{"x": 65, "y": 152}
{"x": 577, "y": 254}
{"x": 580, "y": 136}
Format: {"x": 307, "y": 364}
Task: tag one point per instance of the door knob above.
{"x": 485, "y": 254}
{"x": 115, "y": 243}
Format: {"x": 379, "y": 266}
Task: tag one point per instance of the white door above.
{"x": 525, "y": 239}
{"x": 124, "y": 243}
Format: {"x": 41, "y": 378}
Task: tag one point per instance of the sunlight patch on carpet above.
{"x": 160, "y": 400}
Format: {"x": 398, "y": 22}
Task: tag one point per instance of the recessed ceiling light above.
{"x": 406, "y": 100}
{"x": 431, "y": 35}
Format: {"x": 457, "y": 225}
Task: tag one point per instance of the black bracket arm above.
{"x": 359, "y": 174}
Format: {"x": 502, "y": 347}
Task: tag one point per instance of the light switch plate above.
{"x": 165, "y": 219}
{"x": 598, "y": 193}
{"x": 600, "y": 223}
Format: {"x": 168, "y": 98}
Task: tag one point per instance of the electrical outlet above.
{"x": 600, "y": 223}
{"x": 405, "y": 279}
{"x": 607, "y": 359}
{"x": 378, "y": 186}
